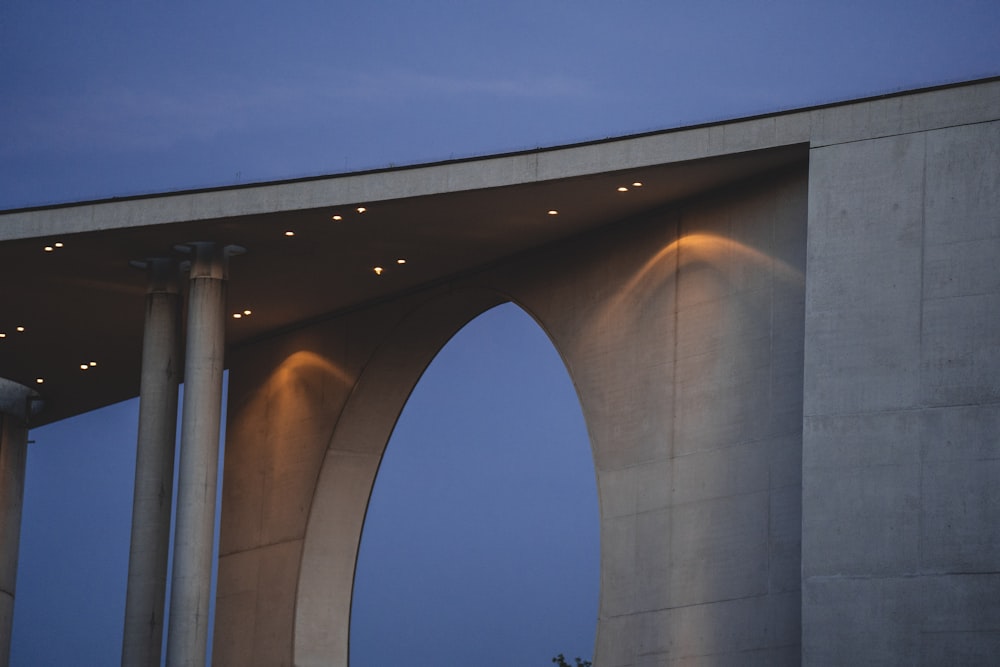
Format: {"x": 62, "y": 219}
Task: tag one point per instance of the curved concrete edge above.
{"x": 349, "y": 468}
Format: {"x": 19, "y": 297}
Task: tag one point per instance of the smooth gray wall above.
{"x": 901, "y": 470}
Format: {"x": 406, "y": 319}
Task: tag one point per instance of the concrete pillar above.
{"x": 142, "y": 641}
{"x": 187, "y": 634}
{"x": 16, "y": 405}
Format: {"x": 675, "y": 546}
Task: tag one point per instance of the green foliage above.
{"x": 560, "y": 661}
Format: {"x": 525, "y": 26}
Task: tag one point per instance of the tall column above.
{"x": 187, "y": 633}
{"x": 142, "y": 641}
{"x": 16, "y": 405}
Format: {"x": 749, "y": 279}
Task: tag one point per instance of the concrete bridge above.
{"x": 784, "y": 332}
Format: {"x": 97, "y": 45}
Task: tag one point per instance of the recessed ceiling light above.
{"x": 237, "y": 316}
{"x": 637, "y": 184}
{"x": 3, "y": 335}
{"x": 93, "y": 363}
{"x": 289, "y": 233}
{"x": 337, "y": 217}
{"x": 247, "y": 312}
{"x": 361, "y": 209}
{"x": 622, "y": 189}
{"x": 553, "y": 212}
{"x": 400, "y": 261}
{"x": 58, "y": 244}
{"x": 39, "y": 380}
{"x": 84, "y": 367}
{"x": 20, "y": 329}
{"x": 378, "y": 270}
{"x": 48, "y": 248}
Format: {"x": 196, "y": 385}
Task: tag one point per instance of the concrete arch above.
{"x": 350, "y": 466}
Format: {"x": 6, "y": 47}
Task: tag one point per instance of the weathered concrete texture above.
{"x": 187, "y": 633}
{"x": 13, "y": 454}
{"x": 16, "y": 407}
{"x": 695, "y": 311}
{"x": 142, "y": 640}
{"x": 790, "y": 385}
{"x": 902, "y": 400}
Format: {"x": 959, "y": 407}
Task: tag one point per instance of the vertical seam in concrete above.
{"x": 920, "y": 345}
{"x": 770, "y": 399}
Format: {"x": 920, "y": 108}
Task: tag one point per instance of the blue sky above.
{"x": 110, "y": 98}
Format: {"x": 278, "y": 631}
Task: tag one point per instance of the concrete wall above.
{"x": 791, "y": 388}
{"x": 683, "y": 335}
{"x": 901, "y": 470}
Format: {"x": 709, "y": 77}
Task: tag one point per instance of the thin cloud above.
{"x": 120, "y": 118}
{"x": 405, "y": 84}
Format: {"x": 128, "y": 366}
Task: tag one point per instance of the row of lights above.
{"x": 378, "y": 270}
{"x": 336, "y": 217}
{"x": 90, "y": 365}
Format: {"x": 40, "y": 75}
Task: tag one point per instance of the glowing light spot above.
{"x": 622, "y": 189}
{"x": 337, "y": 218}
{"x": 93, "y": 363}
{"x": 247, "y": 312}
{"x": 48, "y": 248}
{"x": 553, "y": 212}
{"x": 3, "y": 335}
{"x": 84, "y": 367}
{"x": 58, "y": 244}
{"x": 20, "y": 329}
{"x": 237, "y": 316}
{"x": 637, "y": 184}
{"x": 378, "y": 270}
{"x": 400, "y": 261}
{"x": 289, "y": 233}
{"x": 361, "y": 209}
{"x": 40, "y": 380}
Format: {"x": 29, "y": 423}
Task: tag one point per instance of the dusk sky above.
{"x": 479, "y": 559}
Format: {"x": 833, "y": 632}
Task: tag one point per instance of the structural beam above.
{"x": 142, "y": 642}
{"x": 187, "y": 634}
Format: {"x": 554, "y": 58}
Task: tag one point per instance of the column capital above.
{"x": 208, "y": 258}
{"x": 161, "y": 271}
{"x": 19, "y": 401}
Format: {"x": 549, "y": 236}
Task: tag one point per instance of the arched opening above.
{"x": 481, "y": 540}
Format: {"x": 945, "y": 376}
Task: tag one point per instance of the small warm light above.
{"x": 3, "y": 335}
{"x": 637, "y": 184}
{"x": 247, "y": 312}
{"x": 237, "y": 316}
{"x": 400, "y": 261}
{"x": 20, "y": 329}
{"x": 337, "y": 218}
{"x": 58, "y": 244}
{"x": 39, "y": 380}
{"x": 553, "y": 212}
{"x": 84, "y": 367}
{"x": 93, "y": 363}
{"x": 48, "y": 248}
{"x": 622, "y": 189}
{"x": 361, "y": 209}
{"x": 378, "y": 270}
{"x": 289, "y": 233}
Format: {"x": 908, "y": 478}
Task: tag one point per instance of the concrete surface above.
{"x": 142, "y": 641}
{"x": 17, "y": 405}
{"x": 786, "y": 347}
